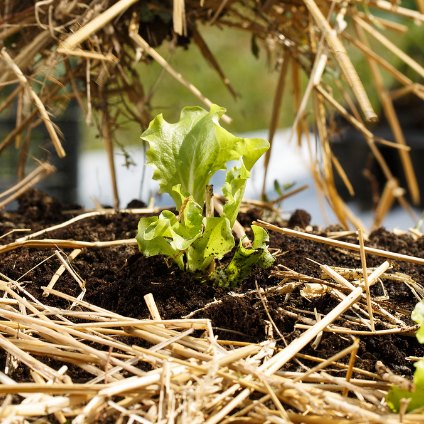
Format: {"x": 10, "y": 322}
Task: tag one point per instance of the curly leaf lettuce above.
{"x": 184, "y": 157}
{"x": 190, "y": 151}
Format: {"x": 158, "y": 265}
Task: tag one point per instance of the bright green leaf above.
{"x": 166, "y": 236}
{"x": 396, "y": 394}
{"x": 157, "y": 246}
{"x": 180, "y": 235}
{"x": 158, "y": 228}
{"x": 183, "y": 195}
{"x": 251, "y": 149}
{"x": 419, "y": 375}
{"x": 233, "y": 190}
{"x": 190, "y": 151}
{"x": 192, "y": 218}
{"x": 261, "y": 237}
{"x": 244, "y": 259}
{"x": 215, "y": 242}
{"x": 235, "y": 183}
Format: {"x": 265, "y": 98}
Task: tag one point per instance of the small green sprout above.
{"x": 184, "y": 157}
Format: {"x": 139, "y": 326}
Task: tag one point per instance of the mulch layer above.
{"x": 118, "y": 278}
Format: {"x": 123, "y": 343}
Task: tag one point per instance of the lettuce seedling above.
{"x": 184, "y": 157}
{"x": 396, "y": 394}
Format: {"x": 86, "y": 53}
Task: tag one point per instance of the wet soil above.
{"x": 118, "y": 278}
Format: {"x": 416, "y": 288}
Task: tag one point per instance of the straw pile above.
{"x": 179, "y": 376}
{"x": 56, "y": 50}
{"x": 182, "y": 377}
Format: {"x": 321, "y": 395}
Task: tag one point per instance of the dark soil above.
{"x": 118, "y": 278}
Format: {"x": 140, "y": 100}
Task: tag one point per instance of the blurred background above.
{"x": 252, "y": 68}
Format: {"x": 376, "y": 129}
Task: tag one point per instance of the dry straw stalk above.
{"x": 108, "y": 39}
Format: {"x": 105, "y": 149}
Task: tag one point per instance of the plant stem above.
{"x": 209, "y": 201}
{"x": 209, "y": 214}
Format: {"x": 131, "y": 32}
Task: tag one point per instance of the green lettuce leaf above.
{"x": 251, "y": 149}
{"x": 182, "y": 195}
{"x": 216, "y": 241}
{"x": 168, "y": 226}
{"x": 396, "y": 394}
{"x": 190, "y": 151}
{"x": 244, "y": 259}
{"x": 158, "y": 245}
{"x": 419, "y": 375}
{"x": 235, "y": 183}
{"x": 184, "y": 157}
{"x": 165, "y": 235}
{"x": 233, "y": 190}
{"x": 191, "y": 217}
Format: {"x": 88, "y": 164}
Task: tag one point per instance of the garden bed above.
{"x": 118, "y": 278}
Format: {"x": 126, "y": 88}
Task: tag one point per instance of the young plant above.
{"x": 184, "y": 157}
{"x": 416, "y": 397}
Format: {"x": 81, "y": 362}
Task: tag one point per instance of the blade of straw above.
{"x": 204, "y": 48}
{"x": 343, "y": 60}
{"x": 328, "y": 361}
{"x": 365, "y": 274}
{"x": 342, "y": 244}
{"x": 97, "y": 23}
{"x": 108, "y": 143}
{"x": 286, "y": 354}
{"x": 389, "y": 45}
{"x": 71, "y": 244}
{"x": 46, "y": 118}
{"x": 392, "y": 118}
{"x": 395, "y": 9}
{"x": 351, "y": 364}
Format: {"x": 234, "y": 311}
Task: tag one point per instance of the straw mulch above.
{"x": 183, "y": 373}
{"x": 56, "y": 50}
